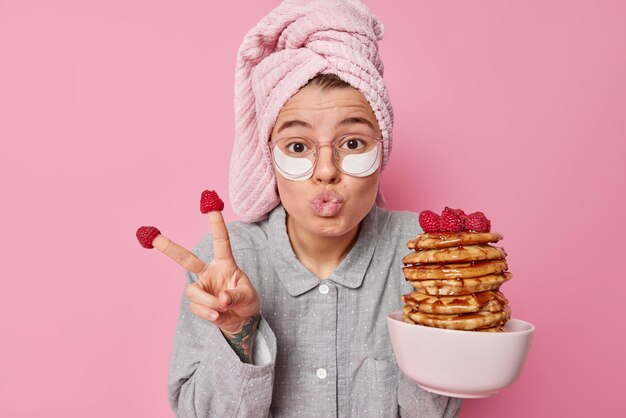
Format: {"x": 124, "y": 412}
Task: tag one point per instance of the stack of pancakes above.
{"x": 456, "y": 276}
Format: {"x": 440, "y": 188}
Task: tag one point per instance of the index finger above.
{"x": 211, "y": 203}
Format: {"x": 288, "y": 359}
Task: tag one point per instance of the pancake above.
{"x": 491, "y": 301}
{"x": 460, "y": 286}
{"x": 469, "y": 321}
{"x": 455, "y": 254}
{"x": 497, "y": 328}
{"x": 436, "y": 240}
{"x": 454, "y": 271}
{"x": 405, "y": 317}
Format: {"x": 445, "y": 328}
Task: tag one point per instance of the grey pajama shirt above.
{"x": 322, "y": 348}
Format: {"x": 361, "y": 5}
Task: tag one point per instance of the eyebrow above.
{"x": 344, "y": 122}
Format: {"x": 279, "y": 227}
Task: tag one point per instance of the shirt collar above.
{"x": 297, "y": 279}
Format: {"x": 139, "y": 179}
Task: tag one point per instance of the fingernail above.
{"x": 212, "y": 315}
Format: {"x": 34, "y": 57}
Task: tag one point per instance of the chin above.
{"x": 332, "y": 230}
{"x": 333, "y": 226}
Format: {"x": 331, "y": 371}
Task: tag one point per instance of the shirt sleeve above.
{"x": 414, "y": 401}
{"x": 206, "y": 378}
{"x": 261, "y": 354}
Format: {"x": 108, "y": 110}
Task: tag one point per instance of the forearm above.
{"x": 242, "y": 342}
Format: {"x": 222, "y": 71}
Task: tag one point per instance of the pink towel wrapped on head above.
{"x": 296, "y": 41}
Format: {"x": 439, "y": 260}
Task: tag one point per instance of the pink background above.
{"x": 115, "y": 114}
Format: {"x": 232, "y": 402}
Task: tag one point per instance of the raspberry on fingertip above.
{"x": 210, "y": 202}
{"x": 147, "y": 234}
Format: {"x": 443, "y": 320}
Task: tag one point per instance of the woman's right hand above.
{"x": 222, "y": 294}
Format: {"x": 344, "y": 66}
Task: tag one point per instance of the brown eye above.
{"x": 297, "y": 147}
{"x": 353, "y": 144}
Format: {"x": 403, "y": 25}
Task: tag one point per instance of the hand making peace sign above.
{"x": 222, "y": 294}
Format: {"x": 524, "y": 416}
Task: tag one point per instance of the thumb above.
{"x": 230, "y": 298}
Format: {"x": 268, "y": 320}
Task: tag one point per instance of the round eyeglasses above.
{"x": 357, "y": 155}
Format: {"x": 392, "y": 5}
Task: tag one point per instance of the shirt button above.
{"x": 324, "y": 289}
{"x": 321, "y": 373}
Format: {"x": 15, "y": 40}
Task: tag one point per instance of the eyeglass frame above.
{"x": 379, "y": 144}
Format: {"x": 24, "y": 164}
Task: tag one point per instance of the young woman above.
{"x": 284, "y": 315}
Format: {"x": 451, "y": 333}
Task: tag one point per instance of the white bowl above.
{"x": 462, "y": 364}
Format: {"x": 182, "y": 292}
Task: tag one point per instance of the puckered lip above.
{"x": 326, "y": 196}
{"x": 327, "y": 203}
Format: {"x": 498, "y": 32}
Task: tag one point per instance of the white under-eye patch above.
{"x": 361, "y": 165}
{"x": 292, "y": 168}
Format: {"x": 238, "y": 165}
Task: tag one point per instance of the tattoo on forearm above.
{"x": 242, "y": 342}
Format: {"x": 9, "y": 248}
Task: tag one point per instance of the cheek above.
{"x": 290, "y": 192}
{"x": 362, "y": 191}
{"x": 369, "y": 184}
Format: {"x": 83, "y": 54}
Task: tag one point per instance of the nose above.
{"x": 325, "y": 170}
